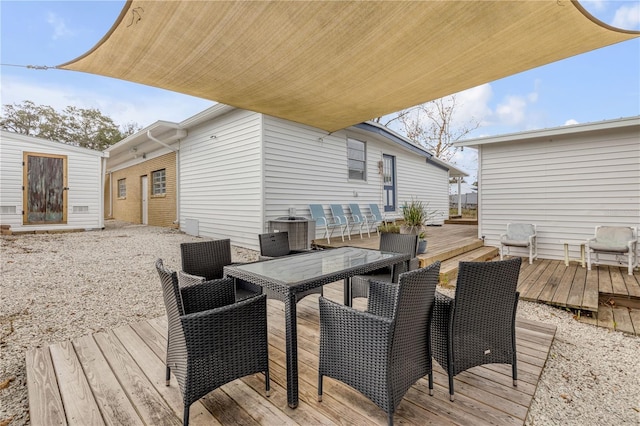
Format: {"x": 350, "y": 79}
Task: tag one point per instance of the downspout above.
{"x": 181, "y": 133}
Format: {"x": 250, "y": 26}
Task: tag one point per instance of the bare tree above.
{"x": 433, "y": 126}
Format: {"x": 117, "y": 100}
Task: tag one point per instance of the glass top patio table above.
{"x": 290, "y": 275}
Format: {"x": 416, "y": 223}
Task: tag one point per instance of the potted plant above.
{"x": 422, "y": 243}
{"x": 391, "y": 228}
{"x": 415, "y": 215}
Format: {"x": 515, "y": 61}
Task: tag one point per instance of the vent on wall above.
{"x": 8, "y": 210}
{"x": 81, "y": 209}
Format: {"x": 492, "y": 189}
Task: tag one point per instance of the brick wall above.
{"x": 161, "y": 208}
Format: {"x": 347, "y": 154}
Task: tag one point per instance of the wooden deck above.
{"x": 117, "y": 377}
{"x": 606, "y": 296}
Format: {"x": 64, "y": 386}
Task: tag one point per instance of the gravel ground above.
{"x": 57, "y": 287}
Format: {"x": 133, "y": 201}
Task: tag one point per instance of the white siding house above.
{"x": 47, "y": 185}
{"x": 566, "y": 180}
{"x": 237, "y": 170}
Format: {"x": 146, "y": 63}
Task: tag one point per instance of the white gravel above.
{"x": 56, "y": 287}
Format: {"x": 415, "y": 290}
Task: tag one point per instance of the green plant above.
{"x": 391, "y": 228}
{"x": 422, "y": 236}
{"x": 414, "y": 213}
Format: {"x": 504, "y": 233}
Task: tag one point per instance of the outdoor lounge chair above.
{"x": 520, "y": 235}
{"x": 478, "y": 326}
{"x": 381, "y": 352}
{"x": 619, "y": 241}
{"x": 276, "y": 244}
{"x": 212, "y": 339}
{"x": 340, "y": 217}
{"x": 375, "y": 217}
{"x": 317, "y": 214}
{"x": 205, "y": 261}
{"x": 359, "y": 219}
{"x": 396, "y": 243}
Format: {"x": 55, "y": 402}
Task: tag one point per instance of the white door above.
{"x": 145, "y": 200}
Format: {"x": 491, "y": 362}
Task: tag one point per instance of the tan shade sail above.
{"x": 331, "y": 64}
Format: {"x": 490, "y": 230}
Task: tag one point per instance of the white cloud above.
{"x": 60, "y": 29}
{"x": 571, "y": 122}
{"x": 473, "y": 105}
{"x": 144, "y": 106}
{"x": 598, "y": 5}
{"x": 512, "y": 110}
{"x": 627, "y": 17}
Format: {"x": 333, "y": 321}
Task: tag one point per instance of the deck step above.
{"x": 449, "y": 267}
{"x": 464, "y": 246}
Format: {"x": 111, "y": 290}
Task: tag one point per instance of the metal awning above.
{"x": 332, "y": 64}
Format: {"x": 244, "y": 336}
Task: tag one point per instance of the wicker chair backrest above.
{"x": 485, "y": 299}
{"x": 412, "y": 312}
{"x": 399, "y": 243}
{"x": 206, "y": 258}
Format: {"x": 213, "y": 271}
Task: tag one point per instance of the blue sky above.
{"x": 599, "y": 85}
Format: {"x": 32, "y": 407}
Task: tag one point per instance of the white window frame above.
{"x": 351, "y": 159}
{"x": 159, "y": 182}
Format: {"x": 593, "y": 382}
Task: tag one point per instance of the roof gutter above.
{"x": 180, "y": 133}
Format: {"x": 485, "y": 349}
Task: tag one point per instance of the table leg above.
{"x": 566, "y": 254}
{"x": 347, "y": 292}
{"x": 291, "y": 335}
{"x": 582, "y": 255}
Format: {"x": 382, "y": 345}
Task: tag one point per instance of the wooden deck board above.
{"x": 128, "y": 362}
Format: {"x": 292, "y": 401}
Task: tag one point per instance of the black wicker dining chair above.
{"x": 212, "y": 339}
{"x": 205, "y": 261}
{"x": 477, "y": 327}
{"x": 276, "y": 244}
{"x": 383, "y": 351}
{"x": 396, "y": 243}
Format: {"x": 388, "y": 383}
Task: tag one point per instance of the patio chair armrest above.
{"x": 185, "y": 279}
{"x": 440, "y": 324}
{"x": 217, "y": 330}
{"x": 414, "y": 264}
{"x": 208, "y": 295}
{"x": 382, "y": 296}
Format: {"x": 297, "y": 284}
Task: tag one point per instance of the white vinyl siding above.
{"x": 221, "y": 178}
{"x": 304, "y": 165}
{"x": 84, "y": 180}
{"x": 565, "y": 185}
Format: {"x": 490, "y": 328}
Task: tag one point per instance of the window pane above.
{"x": 159, "y": 182}
{"x": 356, "y": 159}
{"x": 122, "y": 188}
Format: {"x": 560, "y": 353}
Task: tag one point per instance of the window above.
{"x": 357, "y": 159}
{"x": 122, "y": 188}
{"x": 159, "y": 182}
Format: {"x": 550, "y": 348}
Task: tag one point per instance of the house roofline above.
{"x": 406, "y": 143}
{"x": 574, "y": 129}
{"x": 48, "y": 142}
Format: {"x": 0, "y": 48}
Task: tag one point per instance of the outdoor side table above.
{"x": 566, "y": 254}
{"x": 290, "y": 275}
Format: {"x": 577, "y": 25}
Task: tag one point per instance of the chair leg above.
{"x": 431, "y": 384}
{"x": 267, "y": 382}
{"x": 168, "y": 376}
{"x": 319, "y": 387}
{"x": 185, "y": 416}
{"x": 451, "y": 396}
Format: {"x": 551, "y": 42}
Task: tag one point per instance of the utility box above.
{"x": 301, "y": 230}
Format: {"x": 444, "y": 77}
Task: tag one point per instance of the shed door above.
{"x": 45, "y": 189}
{"x": 389, "y": 176}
